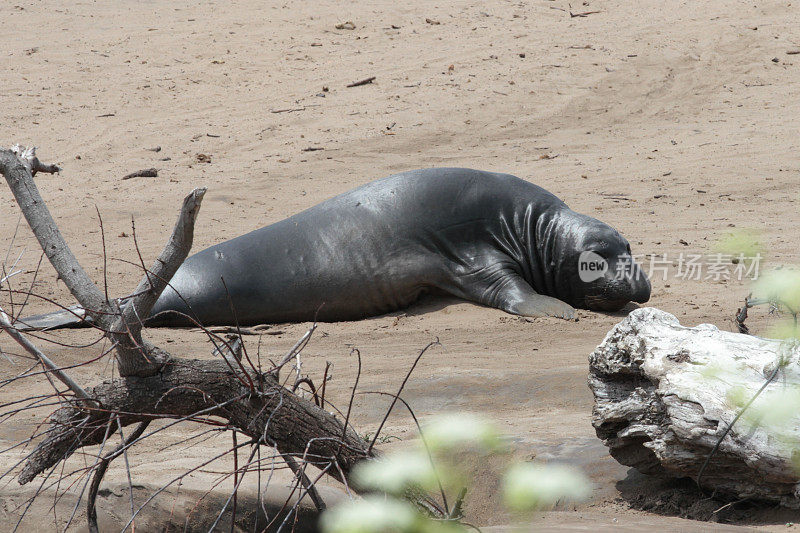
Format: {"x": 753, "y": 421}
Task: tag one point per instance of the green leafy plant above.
{"x": 433, "y": 465}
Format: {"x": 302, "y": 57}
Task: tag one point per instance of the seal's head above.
{"x": 595, "y": 268}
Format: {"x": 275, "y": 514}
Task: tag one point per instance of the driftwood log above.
{"x": 666, "y": 396}
{"x": 154, "y": 384}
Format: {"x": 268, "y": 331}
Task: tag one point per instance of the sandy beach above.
{"x": 674, "y": 122}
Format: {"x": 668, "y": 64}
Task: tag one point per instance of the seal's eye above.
{"x": 628, "y": 248}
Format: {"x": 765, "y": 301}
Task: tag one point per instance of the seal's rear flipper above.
{"x": 72, "y": 317}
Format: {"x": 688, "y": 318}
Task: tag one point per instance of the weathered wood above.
{"x": 136, "y": 356}
{"x": 154, "y": 384}
{"x": 185, "y": 388}
{"x": 22, "y": 340}
{"x": 18, "y": 166}
{"x": 665, "y": 395}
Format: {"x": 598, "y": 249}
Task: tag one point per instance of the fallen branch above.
{"x": 18, "y": 166}
{"x": 365, "y": 81}
{"x": 5, "y": 323}
{"x": 582, "y": 14}
{"x": 188, "y": 389}
{"x": 100, "y": 471}
{"x": 135, "y": 355}
{"x": 122, "y": 323}
{"x": 155, "y": 385}
{"x": 289, "y": 110}
{"x": 146, "y": 173}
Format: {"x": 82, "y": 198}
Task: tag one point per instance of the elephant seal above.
{"x": 486, "y": 237}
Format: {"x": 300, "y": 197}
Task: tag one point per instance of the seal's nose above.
{"x": 640, "y": 286}
{"x": 636, "y": 283}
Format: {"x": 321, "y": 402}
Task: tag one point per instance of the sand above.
{"x": 675, "y": 122}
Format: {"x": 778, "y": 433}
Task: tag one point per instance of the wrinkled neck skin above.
{"x": 554, "y": 235}
{"x": 560, "y": 236}
{"x": 529, "y": 235}
{"x": 560, "y": 247}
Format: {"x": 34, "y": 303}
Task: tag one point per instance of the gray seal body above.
{"x": 485, "y": 237}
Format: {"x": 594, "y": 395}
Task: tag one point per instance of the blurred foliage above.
{"x": 433, "y": 463}
{"x": 781, "y": 287}
{"x": 745, "y": 243}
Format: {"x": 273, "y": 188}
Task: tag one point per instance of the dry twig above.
{"x": 145, "y": 173}
{"x": 365, "y": 81}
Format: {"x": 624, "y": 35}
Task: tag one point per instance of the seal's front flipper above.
{"x": 508, "y": 291}
{"x": 72, "y": 317}
{"x": 540, "y": 305}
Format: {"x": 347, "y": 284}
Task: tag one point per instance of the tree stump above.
{"x": 666, "y": 395}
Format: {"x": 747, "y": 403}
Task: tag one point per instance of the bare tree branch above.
{"x": 135, "y": 356}
{"x": 18, "y": 166}
{"x": 5, "y": 323}
{"x": 100, "y": 471}
{"x": 155, "y": 385}
{"x": 172, "y": 256}
{"x": 273, "y": 416}
{"x": 319, "y": 503}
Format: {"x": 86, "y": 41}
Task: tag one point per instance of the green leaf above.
{"x": 744, "y": 243}
{"x": 529, "y": 486}
{"x": 458, "y": 431}
{"x": 781, "y": 286}
{"x": 396, "y": 472}
{"x": 374, "y": 514}
{"x": 785, "y": 329}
